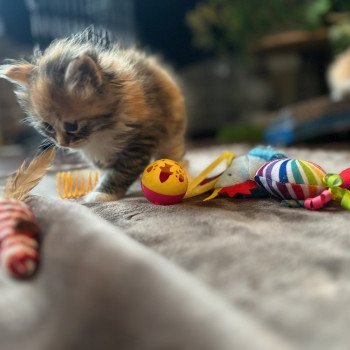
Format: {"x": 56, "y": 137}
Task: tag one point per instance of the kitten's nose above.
{"x": 62, "y": 141}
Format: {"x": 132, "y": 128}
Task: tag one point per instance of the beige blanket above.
{"x": 225, "y": 274}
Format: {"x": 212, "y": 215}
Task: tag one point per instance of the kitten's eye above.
{"x": 49, "y": 128}
{"x": 71, "y": 127}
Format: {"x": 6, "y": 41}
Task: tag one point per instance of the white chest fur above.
{"x": 101, "y": 148}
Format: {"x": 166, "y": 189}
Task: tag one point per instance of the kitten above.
{"x": 338, "y": 77}
{"x": 118, "y": 107}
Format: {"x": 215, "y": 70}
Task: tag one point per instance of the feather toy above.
{"x": 19, "y": 229}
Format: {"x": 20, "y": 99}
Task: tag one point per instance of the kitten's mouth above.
{"x": 78, "y": 144}
{"x": 75, "y": 144}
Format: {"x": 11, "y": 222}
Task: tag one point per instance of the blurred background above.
{"x": 252, "y": 71}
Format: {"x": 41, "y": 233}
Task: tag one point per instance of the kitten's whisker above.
{"x": 28, "y": 121}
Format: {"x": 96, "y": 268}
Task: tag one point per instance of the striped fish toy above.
{"x": 291, "y": 179}
{"x": 19, "y": 238}
{"x": 19, "y": 229}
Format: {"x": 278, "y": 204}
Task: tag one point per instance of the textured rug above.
{"x": 224, "y": 274}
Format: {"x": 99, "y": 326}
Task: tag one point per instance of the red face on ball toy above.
{"x": 164, "y": 182}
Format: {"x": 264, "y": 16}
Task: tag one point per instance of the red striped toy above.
{"x": 19, "y": 230}
{"x": 18, "y": 238}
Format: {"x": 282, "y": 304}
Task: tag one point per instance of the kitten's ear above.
{"x": 18, "y": 73}
{"x": 83, "y": 76}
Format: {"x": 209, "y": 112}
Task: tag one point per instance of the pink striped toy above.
{"x": 19, "y": 230}
{"x": 19, "y": 244}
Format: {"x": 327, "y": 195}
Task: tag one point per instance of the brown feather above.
{"x": 26, "y": 178}
{"x": 18, "y": 173}
{"x": 7, "y": 188}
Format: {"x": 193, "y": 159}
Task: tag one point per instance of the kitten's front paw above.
{"x": 101, "y": 197}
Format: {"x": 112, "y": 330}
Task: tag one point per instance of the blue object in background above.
{"x": 282, "y": 131}
{"x": 288, "y": 129}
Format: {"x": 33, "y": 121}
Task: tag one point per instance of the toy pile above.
{"x": 263, "y": 172}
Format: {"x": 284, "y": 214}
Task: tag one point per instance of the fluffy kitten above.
{"x": 117, "y": 106}
{"x": 338, "y": 76}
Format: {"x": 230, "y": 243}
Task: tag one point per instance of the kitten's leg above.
{"x": 173, "y": 147}
{"x": 106, "y": 190}
{"x": 119, "y": 177}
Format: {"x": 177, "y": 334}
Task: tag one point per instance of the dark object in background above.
{"x": 40, "y": 21}
{"x": 310, "y": 120}
{"x": 15, "y": 21}
{"x": 52, "y": 19}
{"x": 295, "y": 63}
{"x": 161, "y": 26}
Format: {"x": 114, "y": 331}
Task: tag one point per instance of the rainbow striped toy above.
{"x": 304, "y": 182}
{"x": 291, "y": 178}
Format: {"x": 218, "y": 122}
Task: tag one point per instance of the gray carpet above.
{"x": 225, "y": 274}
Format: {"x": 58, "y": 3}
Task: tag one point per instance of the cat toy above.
{"x": 75, "y": 184}
{"x": 165, "y": 182}
{"x": 263, "y": 172}
{"x": 19, "y": 229}
{"x": 238, "y": 178}
{"x": 296, "y": 182}
{"x": 291, "y": 179}
{"x": 338, "y": 186}
{"x": 161, "y": 185}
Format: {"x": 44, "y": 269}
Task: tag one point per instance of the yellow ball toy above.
{"x": 164, "y": 182}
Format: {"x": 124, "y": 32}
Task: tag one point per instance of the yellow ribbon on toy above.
{"x": 195, "y": 188}
{"x": 333, "y": 182}
{"x": 213, "y": 195}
